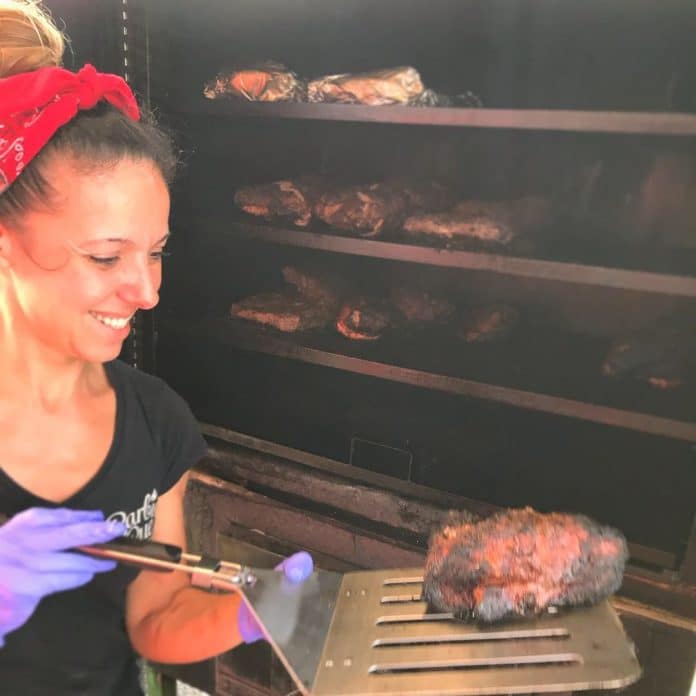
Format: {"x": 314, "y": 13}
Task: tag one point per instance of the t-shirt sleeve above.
{"x": 181, "y": 440}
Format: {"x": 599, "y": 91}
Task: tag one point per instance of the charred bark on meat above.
{"x": 521, "y": 563}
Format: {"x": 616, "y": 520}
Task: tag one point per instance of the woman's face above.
{"x": 78, "y": 271}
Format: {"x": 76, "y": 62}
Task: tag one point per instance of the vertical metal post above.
{"x": 687, "y": 569}
{"x": 138, "y": 350}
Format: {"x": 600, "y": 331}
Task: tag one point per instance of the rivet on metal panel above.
{"x": 347, "y": 593}
{"x": 347, "y": 662}
{"x": 328, "y": 663}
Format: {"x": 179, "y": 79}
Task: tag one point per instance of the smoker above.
{"x": 355, "y": 449}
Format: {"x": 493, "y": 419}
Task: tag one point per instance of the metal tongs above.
{"x": 205, "y": 571}
{"x": 294, "y": 616}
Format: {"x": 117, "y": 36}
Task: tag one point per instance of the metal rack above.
{"x": 523, "y": 267}
{"x": 324, "y": 349}
{"x": 626, "y": 122}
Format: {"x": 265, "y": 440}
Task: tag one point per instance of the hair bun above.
{"x": 29, "y": 39}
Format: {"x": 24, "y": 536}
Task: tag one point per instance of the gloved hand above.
{"x": 33, "y": 561}
{"x": 297, "y": 568}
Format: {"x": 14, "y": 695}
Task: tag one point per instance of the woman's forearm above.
{"x": 194, "y": 625}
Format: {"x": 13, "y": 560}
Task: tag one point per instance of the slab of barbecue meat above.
{"x": 662, "y": 357}
{"x": 283, "y": 311}
{"x": 314, "y": 285}
{"x": 494, "y": 223}
{"x": 401, "y": 85}
{"x": 482, "y": 224}
{"x": 430, "y": 196}
{"x": 365, "y": 210}
{"x": 488, "y": 323}
{"x": 292, "y": 200}
{"x": 366, "y": 318}
{"x": 520, "y": 563}
{"x": 419, "y": 306}
{"x": 265, "y": 82}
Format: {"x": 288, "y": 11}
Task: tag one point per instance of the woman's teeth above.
{"x": 111, "y": 322}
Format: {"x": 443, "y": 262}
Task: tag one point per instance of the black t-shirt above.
{"x": 76, "y": 641}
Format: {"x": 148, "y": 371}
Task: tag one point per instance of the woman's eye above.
{"x": 104, "y": 260}
{"x": 158, "y": 255}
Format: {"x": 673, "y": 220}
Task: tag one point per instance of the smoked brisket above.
{"x": 365, "y": 210}
{"x": 419, "y": 306}
{"x": 366, "y": 318}
{"x": 521, "y": 562}
{"x": 283, "y": 311}
{"x": 488, "y": 323}
{"x": 493, "y": 223}
{"x": 292, "y": 200}
{"x": 663, "y": 357}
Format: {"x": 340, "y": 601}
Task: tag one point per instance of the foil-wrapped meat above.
{"x": 488, "y": 222}
{"x": 283, "y": 311}
{"x": 401, "y": 85}
{"x": 285, "y": 199}
{"x": 366, "y": 210}
{"x": 263, "y": 82}
{"x": 520, "y": 563}
{"x": 419, "y": 306}
{"x": 488, "y": 323}
{"x": 464, "y": 100}
{"x": 662, "y": 357}
{"x": 366, "y": 319}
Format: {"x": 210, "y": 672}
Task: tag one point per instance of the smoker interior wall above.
{"x": 505, "y": 456}
{"x": 525, "y": 53}
{"x": 622, "y": 202}
{"x": 93, "y": 30}
{"x": 533, "y": 54}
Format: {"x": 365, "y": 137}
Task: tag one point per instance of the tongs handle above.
{"x": 150, "y": 555}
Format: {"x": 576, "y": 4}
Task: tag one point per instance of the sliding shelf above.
{"x": 520, "y": 363}
{"x": 644, "y": 281}
{"x": 629, "y": 122}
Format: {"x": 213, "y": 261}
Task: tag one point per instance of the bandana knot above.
{"x": 89, "y": 89}
{"x": 34, "y": 105}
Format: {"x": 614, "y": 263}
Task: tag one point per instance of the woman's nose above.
{"x": 141, "y": 288}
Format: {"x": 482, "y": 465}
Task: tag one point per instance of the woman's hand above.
{"x": 34, "y": 562}
{"x": 297, "y": 568}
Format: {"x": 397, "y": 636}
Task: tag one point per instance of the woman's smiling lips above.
{"x": 113, "y": 322}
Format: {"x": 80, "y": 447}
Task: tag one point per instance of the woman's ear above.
{"x": 5, "y": 244}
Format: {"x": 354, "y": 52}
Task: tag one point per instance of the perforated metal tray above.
{"x": 382, "y": 641}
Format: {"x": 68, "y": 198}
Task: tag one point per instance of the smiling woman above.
{"x": 84, "y": 208}
{"x": 83, "y": 267}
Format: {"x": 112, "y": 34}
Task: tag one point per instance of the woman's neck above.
{"x": 33, "y": 373}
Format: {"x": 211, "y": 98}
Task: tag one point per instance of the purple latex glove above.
{"x": 34, "y": 562}
{"x": 297, "y": 568}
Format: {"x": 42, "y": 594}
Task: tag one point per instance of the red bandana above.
{"x": 34, "y": 105}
